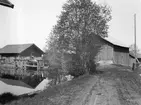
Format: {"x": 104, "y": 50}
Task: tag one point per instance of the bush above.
{"x": 75, "y": 69}
{"x": 92, "y": 67}
{"x": 7, "y": 97}
{"x": 76, "y": 72}
{"x": 54, "y": 73}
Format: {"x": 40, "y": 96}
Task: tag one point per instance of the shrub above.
{"x": 76, "y": 72}
{"x": 7, "y": 97}
{"x": 75, "y": 69}
{"x": 54, "y": 73}
{"x": 92, "y": 67}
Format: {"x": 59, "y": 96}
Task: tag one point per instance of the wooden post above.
{"x": 37, "y": 67}
{"x": 135, "y": 39}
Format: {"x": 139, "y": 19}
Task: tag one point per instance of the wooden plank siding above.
{"x": 121, "y": 55}
{"x": 105, "y": 53}
{"x": 121, "y": 58}
{"x": 110, "y": 52}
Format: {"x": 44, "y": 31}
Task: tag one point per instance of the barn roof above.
{"x": 15, "y": 48}
{"x": 115, "y": 42}
{"x": 6, "y": 3}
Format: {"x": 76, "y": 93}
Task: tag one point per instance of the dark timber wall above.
{"x": 111, "y": 52}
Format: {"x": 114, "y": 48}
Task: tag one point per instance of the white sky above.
{"x": 32, "y": 20}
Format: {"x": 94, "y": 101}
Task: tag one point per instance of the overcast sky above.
{"x": 32, "y": 20}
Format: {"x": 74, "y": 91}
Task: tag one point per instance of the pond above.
{"x": 16, "y": 90}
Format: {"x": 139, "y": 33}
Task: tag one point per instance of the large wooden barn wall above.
{"x": 121, "y": 58}
{"x": 121, "y": 55}
{"x": 105, "y": 53}
{"x": 110, "y": 52}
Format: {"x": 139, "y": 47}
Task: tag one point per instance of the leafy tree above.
{"x": 53, "y": 59}
{"x": 80, "y": 21}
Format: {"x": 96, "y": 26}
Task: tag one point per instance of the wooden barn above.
{"x": 21, "y": 50}
{"x": 112, "y": 51}
{"x": 21, "y": 56}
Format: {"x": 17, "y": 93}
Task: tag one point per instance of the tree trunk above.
{"x": 91, "y": 66}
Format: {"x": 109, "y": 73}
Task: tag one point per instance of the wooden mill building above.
{"x": 21, "y": 55}
{"x": 112, "y": 51}
{"x": 21, "y": 50}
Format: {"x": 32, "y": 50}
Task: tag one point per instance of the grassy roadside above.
{"x": 127, "y": 84}
{"x": 62, "y": 94}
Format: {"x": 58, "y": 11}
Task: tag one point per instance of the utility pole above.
{"x": 135, "y": 39}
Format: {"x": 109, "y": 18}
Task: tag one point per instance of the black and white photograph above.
{"x": 70, "y": 52}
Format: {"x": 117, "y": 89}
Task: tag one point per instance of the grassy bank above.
{"x": 121, "y": 81}
{"x": 62, "y": 94}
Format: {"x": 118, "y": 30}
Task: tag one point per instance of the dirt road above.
{"x": 114, "y": 86}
